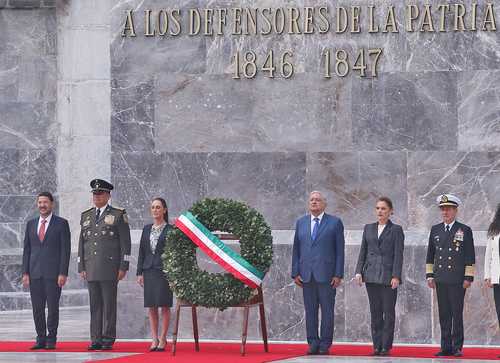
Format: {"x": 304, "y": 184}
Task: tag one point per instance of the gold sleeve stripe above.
{"x": 429, "y": 268}
{"x": 469, "y": 270}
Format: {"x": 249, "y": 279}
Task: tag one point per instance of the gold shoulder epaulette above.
{"x": 87, "y": 210}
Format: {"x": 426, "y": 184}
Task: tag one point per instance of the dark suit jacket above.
{"x": 323, "y": 258}
{"x": 147, "y": 259}
{"x": 381, "y": 259}
{"x": 450, "y": 258}
{"x": 49, "y": 258}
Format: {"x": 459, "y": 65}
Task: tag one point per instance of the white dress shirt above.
{"x": 102, "y": 209}
{"x": 313, "y": 222}
{"x": 380, "y": 229}
{"x": 451, "y": 225}
{"x": 49, "y": 217}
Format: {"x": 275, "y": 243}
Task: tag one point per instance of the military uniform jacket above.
{"x": 104, "y": 246}
{"x": 450, "y": 255}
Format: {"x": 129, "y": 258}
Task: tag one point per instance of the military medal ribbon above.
{"x": 223, "y": 255}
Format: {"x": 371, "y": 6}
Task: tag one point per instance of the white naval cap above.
{"x": 448, "y": 199}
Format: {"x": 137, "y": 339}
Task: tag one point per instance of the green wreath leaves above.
{"x": 217, "y": 290}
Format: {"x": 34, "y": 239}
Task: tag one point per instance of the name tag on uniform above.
{"x": 109, "y": 219}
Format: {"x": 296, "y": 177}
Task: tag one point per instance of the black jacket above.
{"x": 450, "y": 256}
{"x": 381, "y": 259}
{"x": 147, "y": 259}
{"x": 49, "y": 258}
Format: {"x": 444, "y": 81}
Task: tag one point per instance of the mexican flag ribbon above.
{"x": 218, "y": 251}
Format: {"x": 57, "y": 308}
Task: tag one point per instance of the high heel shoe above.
{"x": 161, "y": 347}
{"x": 154, "y": 345}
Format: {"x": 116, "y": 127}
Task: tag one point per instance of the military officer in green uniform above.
{"x": 450, "y": 270}
{"x": 103, "y": 260}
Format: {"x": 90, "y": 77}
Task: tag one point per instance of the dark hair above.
{"x": 45, "y": 194}
{"x": 386, "y": 200}
{"x": 164, "y": 204}
{"x": 494, "y": 228}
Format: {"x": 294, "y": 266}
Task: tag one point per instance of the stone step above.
{"x": 20, "y": 300}
{"x": 18, "y": 325}
{"x": 11, "y": 272}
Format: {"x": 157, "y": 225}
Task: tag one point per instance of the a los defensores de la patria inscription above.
{"x": 218, "y": 22}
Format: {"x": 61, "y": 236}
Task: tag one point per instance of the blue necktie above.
{"x": 315, "y": 228}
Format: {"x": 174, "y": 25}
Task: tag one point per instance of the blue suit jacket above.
{"x": 323, "y": 258}
{"x": 50, "y": 257}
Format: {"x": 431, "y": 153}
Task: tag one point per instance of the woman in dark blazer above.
{"x": 150, "y": 273}
{"x": 379, "y": 265}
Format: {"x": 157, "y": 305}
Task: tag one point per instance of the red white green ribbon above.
{"x": 218, "y": 251}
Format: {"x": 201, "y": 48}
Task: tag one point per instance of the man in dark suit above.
{"x": 103, "y": 260}
{"x": 47, "y": 248}
{"x": 318, "y": 267}
{"x": 450, "y": 270}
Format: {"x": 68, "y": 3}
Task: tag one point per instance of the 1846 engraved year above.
{"x": 337, "y": 62}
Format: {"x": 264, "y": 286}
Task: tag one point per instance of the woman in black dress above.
{"x": 150, "y": 275}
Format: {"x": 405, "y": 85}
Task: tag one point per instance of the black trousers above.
{"x": 450, "y": 299}
{"x": 382, "y": 300}
{"x": 45, "y": 292}
{"x": 496, "y": 295}
{"x": 102, "y": 296}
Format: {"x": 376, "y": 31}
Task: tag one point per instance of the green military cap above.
{"x": 100, "y": 185}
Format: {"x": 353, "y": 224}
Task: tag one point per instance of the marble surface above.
{"x": 415, "y": 310}
{"x": 162, "y": 117}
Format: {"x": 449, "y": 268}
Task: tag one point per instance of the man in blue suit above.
{"x": 47, "y": 249}
{"x": 318, "y": 267}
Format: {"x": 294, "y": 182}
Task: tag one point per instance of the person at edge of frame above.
{"x": 492, "y": 260}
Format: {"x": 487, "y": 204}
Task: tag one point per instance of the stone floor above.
{"x": 54, "y": 357}
{"x": 371, "y": 359}
{"x": 18, "y": 324}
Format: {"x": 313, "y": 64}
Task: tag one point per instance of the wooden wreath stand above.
{"x": 256, "y": 301}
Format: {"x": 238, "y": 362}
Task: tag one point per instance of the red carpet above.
{"x": 230, "y": 352}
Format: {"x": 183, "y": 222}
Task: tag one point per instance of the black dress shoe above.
{"x": 94, "y": 346}
{"x": 50, "y": 346}
{"x": 38, "y": 345}
{"x": 384, "y": 352}
{"x": 376, "y": 352}
{"x": 324, "y": 352}
{"x": 458, "y": 353}
{"x": 312, "y": 351}
{"x": 107, "y": 347}
{"x": 443, "y": 353}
